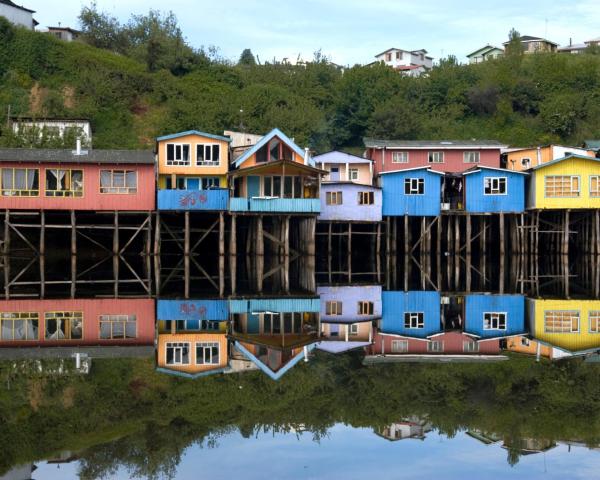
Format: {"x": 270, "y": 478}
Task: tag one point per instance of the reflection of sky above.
{"x": 358, "y": 454}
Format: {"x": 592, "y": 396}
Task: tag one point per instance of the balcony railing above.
{"x": 215, "y": 200}
{"x": 280, "y": 205}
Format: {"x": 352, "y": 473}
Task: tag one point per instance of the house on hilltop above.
{"x": 485, "y": 53}
{"x": 408, "y": 62}
{"x": 536, "y": 44}
{"x": 64, "y": 33}
{"x": 579, "y": 47}
{"x": 17, "y": 15}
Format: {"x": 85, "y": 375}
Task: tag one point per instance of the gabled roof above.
{"x": 349, "y": 182}
{"x": 265, "y": 368}
{"x": 581, "y": 157}
{"x": 66, "y": 29}
{"x": 487, "y": 48}
{"x": 268, "y": 165}
{"x": 427, "y": 167}
{"x": 14, "y": 5}
{"x": 592, "y": 144}
{"x": 267, "y": 138}
{"x": 483, "y": 167}
{"x": 339, "y": 346}
{"x": 193, "y": 132}
{"x": 46, "y": 155}
{"x": 429, "y": 144}
{"x": 336, "y": 156}
{"x": 529, "y": 38}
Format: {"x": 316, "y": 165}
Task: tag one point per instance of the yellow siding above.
{"x": 572, "y": 166}
{"x": 575, "y": 341}
{"x": 192, "y": 169}
{"x": 192, "y": 338}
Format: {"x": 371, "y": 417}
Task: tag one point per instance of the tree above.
{"x": 247, "y": 58}
{"x": 514, "y": 48}
{"x": 395, "y": 118}
{"x": 101, "y": 30}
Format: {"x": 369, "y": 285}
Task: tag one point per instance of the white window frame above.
{"x": 558, "y": 311}
{"x": 399, "y": 346}
{"x": 353, "y": 174}
{"x": 207, "y": 346}
{"x": 414, "y": 186}
{"x": 435, "y": 346}
{"x": 594, "y": 316}
{"x": 353, "y": 330}
{"x": 495, "y": 320}
{"x": 471, "y": 156}
{"x": 400, "y": 157}
{"x": 178, "y": 346}
{"x": 208, "y": 147}
{"x": 435, "y": 156}
{"x": 495, "y": 183}
{"x": 178, "y": 162}
{"x": 596, "y": 193}
{"x": 470, "y": 346}
{"x": 413, "y": 319}
{"x": 526, "y": 162}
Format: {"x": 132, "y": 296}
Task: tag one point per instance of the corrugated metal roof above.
{"x": 340, "y": 157}
{"x": 448, "y": 144}
{"x": 567, "y": 157}
{"x": 193, "y": 132}
{"x": 46, "y": 155}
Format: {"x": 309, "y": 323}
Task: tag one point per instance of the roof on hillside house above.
{"x": 425, "y": 144}
{"x": 193, "y": 132}
{"x": 581, "y": 157}
{"x": 349, "y": 182}
{"x": 43, "y": 119}
{"x": 11, "y": 4}
{"x": 113, "y": 351}
{"x": 574, "y": 46}
{"x": 264, "y": 140}
{"x": 66, "y": 29}
{"x": 46, "y": 155}
{"x": 422, "y": 50}
{"x": 478, "y": 168}
{"x": 336, "y": 156}
{"x": 404, "y": 170}
{"x": 592, "y": 144}
{"x": 530, "y": 38}
{"x": 487, "y": 48}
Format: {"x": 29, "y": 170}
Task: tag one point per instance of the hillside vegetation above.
{"x": 136, "y": 94}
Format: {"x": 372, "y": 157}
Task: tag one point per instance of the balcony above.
{"x": 275, "y": 205}
{"x": 203, "y": 200}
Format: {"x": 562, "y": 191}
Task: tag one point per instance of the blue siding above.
{"x": 276, "y": 205}
{"x": 193, "y": 199}
{"x": 478, "y": 202}
{"x": 350, "y": 208}
{"x": 192, "y": 310}
{"x": 512, "y": 305}
{"x": 275, "y": 305}
{"x": 396, "y": 203}
{"x": 395, "y": 304}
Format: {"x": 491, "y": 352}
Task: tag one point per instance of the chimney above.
{"x": 78, "y": 147}
{"x": 570, "y": 41}
{"x": 306, "y": 156}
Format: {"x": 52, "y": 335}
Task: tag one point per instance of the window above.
{"x": 436, "y": 157}
{"x": 399, "y": 157}
{"x": 333, "y": 198}
{"x": 398, "y": 55}
{"x": 333, "y": 308}
{"x": 178, "y": 353}
{"x": 118, "y": 326}
{"x": 64, "y": 325}
{"x": 388, "y": 57}
{"x": 414, "y": 186}
{"x": 366, "y": 198}
{"x": 291, "y": 188}
{"x": 594, "y": 320}
{"x": 273, "y": 321}
{"x": 118, "y": 181}
{"x": 19, "y": 326}
{"x": 64, "y": 183}
{"x": 353, "y": 329}
{"x": 494, "y": 186}
{"x": 180, "y": 183}
{"x": 178, "y": 154}
{"x": 435, "y": 346}
{"x": 471, "y": 157}
{"x": 20, "y": 182}
{"x": 365, "y": 308}
{"x": 561, "y": 321}
{"x": 210, "y": 182}
{"x": 399, "y": 346}
{"x": 494, "y": 321}
{"x": 594, "y": 186}
{"x": 207, "y": 353}
{"x": 526, "y": 162}
{"x": 470, "y": 346}
{"x": 354, "y": 174}
{"x": 413, "y": 320}
{"x": 561, "y": 186}
{"x": 208, "y": 155}
{"x": 272, "y": 186}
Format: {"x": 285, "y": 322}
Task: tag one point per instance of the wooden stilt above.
{"x": 115, "y": 252}
{"x": 73, "y": 254}
{"x": 186, "y": 255}
{"x": 349, "y": 253}
{"x": 221, "y": 253}
{"x": 468, "y": 252}
{"x": 42, "y": 254}
{"x": 157, "y": 254}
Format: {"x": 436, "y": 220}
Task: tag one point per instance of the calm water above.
{"x": 321, "y": 374}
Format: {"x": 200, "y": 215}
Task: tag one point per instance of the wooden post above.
{"x": 116, "y": 253}
{"x": 186, "y": 255}
{"x": 6, "y": 253}
{"x": 73, "y": 254}
{"x": 482, "y": 249}
{"x": 378, "y": 252}
{"x": 349, "y": 253}
{"x": 456, "y": 251}
{"x": 221, "y": 253}
{"x": 42, "y": 254}
{"x": 438, "y": 250}
{"x": 157, "y": 254}
{"x": 148, "y": 253}
{"x": 286, "y": 253}
{"x": 468, "y": 252}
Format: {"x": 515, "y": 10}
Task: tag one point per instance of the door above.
{"x": 193, "y": 184}
{"x": 253, "y": 186}
{"x": 334, "y": 175}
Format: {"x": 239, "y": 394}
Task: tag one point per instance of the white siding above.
{"x": 17, "y": 16}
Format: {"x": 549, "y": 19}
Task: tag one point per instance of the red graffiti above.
{"x": 191, "y": 308}
{"x": 190, "y": 199}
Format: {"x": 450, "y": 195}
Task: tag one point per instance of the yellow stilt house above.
{"x": 570, "y": 325}
{"x": 571, "y": 182}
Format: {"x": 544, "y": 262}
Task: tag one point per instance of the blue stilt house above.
{"x": 494, "y": 190}
{"x": 494, "y": 316}
{"x": 411, "y": 314}
{"x": 414, "y": 192}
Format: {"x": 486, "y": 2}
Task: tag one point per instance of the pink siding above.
{"x": 92, "y": 199}
{"x": 453, "y": 159}
{"x": 453, "y": 345}
{"x": 142, "y": 308}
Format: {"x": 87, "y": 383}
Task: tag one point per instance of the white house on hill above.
{"x": 17, "y": 15}
{"x": 409, "y": 62}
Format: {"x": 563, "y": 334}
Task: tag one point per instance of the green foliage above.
{"x": 247, "y": 58}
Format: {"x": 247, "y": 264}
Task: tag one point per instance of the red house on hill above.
{"x": 78, "y": 322}
{"x": 47, "y": 179}
{"x": 442, "y": 156}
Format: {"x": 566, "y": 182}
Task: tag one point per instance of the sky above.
{"x": 359, "y": 454}
{"x": 350, "y": 31}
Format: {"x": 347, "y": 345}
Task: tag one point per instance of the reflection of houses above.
{"x": 192, "y": 337}
{"x": 274, "y": 333}
{"x": 60, "y": 127}
{"x": 569, "y": 182}
{"x": 192, "y": 171}
{"x": 519, "y": 159}
{"x": 20, "y": 472}
{"x": 572, "y": 326}
{"x": 412, "y": 427}
{"x": 526, "y": 346}
{"x": 494, "y": 316}
{"x": 486, "y": 438}
{"x": 528, "y": 446}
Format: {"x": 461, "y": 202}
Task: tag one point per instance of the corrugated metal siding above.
{"x": 396, "y": 203}
{"x": 283, "y": 205}
{"x": 193, "y": 199}
{"x": 274, "y": 305}
{"x": 143, "y": 200}
{"x": 350, "y": 208}
{"x": 512, "y": 305}
{"x": 395, "y": 304}
{"x": 192, "y": 309}
{"x": 478, "y": 202}
{"x": 350, "y": 296}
